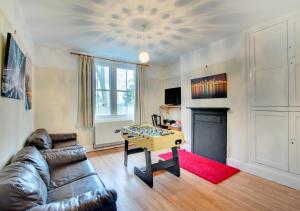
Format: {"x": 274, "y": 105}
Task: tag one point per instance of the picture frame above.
{"x": 13, "y": 71}
{"x": 214, "y": 86}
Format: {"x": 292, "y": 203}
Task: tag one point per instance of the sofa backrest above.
{"x": 21, "y": 187}
{"x": 32, "y": 155}
{"x": 40, "y": 139}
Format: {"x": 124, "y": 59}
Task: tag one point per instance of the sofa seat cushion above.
{"x": 63, "y": 144}
{"x": 21, "y": 187}
{"x": 104, "y": 200}
{"x": 40, "y": 139}
{"x": 75, "y": 188}
{"x": 33, "y": 156}
{"x": 64, "y": 174}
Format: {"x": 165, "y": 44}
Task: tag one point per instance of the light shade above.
{"x": 144, "y": 57}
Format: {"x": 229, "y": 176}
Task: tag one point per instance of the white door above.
{"x": 294, "y": 61}
{"x": 269, "y": 66}
{"x": 294, "y": 145}
{"x": 270, "y": 138}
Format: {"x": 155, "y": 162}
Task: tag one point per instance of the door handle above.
{"x": 292, "y": 59}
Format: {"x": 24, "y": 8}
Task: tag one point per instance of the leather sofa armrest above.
{"x": 93, "y": 200}
{"x": 63, "y": 137}
{"x": 62, "y": 157}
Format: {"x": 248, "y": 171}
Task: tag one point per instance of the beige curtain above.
{"x": 85, "y": 113}
{"x": 139, "y": 101}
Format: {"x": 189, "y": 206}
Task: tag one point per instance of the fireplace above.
{"x": 209, "y": 133}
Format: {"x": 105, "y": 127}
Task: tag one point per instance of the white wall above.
{"x": 16, "y": 123}
{"x": 153, "y": 91}
{"x": 224, "y": 56}
{"x": 172, "y": 75}
{"x": 56, "y": 93}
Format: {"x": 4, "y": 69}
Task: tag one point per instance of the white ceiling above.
{"x": 112, "y": 28}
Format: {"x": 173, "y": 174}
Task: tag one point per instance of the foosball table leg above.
{"x": 145, "y": 174}
{"x": 126, "y": 153}
{"x": 175, "y": 169}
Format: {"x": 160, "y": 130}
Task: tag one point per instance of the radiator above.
{"x": 105, "y": 133}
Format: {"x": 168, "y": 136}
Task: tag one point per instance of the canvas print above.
{"x": 28, "y": 85}
{"x": 1, "y": 52}
{"x": 214, "y": 86}
{"x": 13, "y": 70}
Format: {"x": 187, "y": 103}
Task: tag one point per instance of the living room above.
{"x": 147, "y": 105}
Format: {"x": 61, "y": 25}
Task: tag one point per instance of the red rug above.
{"x": 210, "y": 170}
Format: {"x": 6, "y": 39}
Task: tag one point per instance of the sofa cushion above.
{"x": 75, "y": 188}
{"x": 40, "y": 139}
{"x": 104, "y": 200}
{"x": 63, "y": 144}
{"x": 62, "y": 149}
{"x": 64, "y": 156}
{"x": 33, "y": 156}
{"x": 21, "y": 187}
{"x": 58, "y": 137}
{"x": 64, "y": 174}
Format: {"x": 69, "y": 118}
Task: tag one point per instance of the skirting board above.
{"x": 92, "y": 148}
{"x": 186, "y": 147}
{"x": 110, "y": 145}
{"x": 275, "y": 175}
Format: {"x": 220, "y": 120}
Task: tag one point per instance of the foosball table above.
{"x": 147, "y": 138}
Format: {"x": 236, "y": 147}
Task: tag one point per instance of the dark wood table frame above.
{"x": 146, "y": 173}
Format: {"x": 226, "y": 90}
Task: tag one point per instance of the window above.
{"x": 114, "y": 92}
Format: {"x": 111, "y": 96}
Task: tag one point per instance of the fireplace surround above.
{"x": 209, "y": 132}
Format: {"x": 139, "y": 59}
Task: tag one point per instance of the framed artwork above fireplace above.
{"x": 214, "y": 86}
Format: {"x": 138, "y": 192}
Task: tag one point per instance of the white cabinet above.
{"x": 294, "y": 142}
{"x": 275, "y": 139}
{"x": 294, "y": 61}
{"x": 269, "y": 66}
{"x": 270, "y": 138}
{"x": 274, "y": 96}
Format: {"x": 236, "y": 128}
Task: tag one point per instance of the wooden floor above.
{"x": 242, "y": 191}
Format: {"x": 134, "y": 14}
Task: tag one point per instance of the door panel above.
{"x": 294, "y": 63}
{"x": 294, "y": 145}
{"x": 270, "y": 138}
{"x": 269, "y": 66}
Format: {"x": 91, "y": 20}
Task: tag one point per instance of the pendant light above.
{"x": 144, "y": 55}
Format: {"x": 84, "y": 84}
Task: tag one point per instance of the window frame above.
{"x": 113, "y": 92}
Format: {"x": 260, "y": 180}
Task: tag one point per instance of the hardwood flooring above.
{"x": 242, "y": 191}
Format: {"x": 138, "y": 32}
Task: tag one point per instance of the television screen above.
{"x": 173, "y": 96}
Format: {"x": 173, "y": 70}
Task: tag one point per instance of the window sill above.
{"x": 117, "y": 118}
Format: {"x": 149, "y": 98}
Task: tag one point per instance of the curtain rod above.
{"x": 112, "y": 60}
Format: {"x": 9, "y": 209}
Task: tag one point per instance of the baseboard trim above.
{"x": 95, "y": 148}
{"x": 275, "y": 175}
{"x": 102, "y": 146}
{"x": 186, "y": 147}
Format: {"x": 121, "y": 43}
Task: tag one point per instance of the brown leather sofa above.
{"x": 56, "y": 177}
